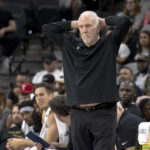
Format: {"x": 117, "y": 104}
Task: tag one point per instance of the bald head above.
{"x": 89, "y": 14}
{"x": 89, "y": 27}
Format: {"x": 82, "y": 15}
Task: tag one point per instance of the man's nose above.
{"x": 25, "y": 117}
{"x": 124, "y": 92}
{"x": 84, "y": 29}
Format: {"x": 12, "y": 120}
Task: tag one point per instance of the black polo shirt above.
{"x": 89, "y": 72}
{"x": 127, "y": 130}
{"x": 132, "y": 108}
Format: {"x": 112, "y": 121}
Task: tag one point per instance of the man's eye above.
{"x": 88, "y": 25}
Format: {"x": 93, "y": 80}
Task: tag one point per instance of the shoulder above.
{"x": 134, "y": 120}
{"x": 129, "y": 120}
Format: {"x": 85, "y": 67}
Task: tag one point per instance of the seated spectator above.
{"x": 4, "y": 110}
{"x": 31, "y": 122}
{"x": 132, "y": 9}
{"x": 127, "y": 92}
{"x": 14, "y": 94}
{"x": 142, "y": 77}
{"x": 127, "y": 129}
{"x": 26, "y": 109}
{"x": 14, "y": 130}
{"x": 60, "y": 86}
{"x": 127, "y": 50}
{"x": 144, "y": 137}
{"x": 126, "y": 73}
{"x": 144, "y": 106}
{"x": 43, "y": 94}
{"x": 144, "y": 44}
{"x": 26, "y": 90}
{"x": 131, "y": 39}
{"x": 61, "y": 111}
{"x": 50, "y": 67}
{"x": 52, "y": 129}
{"x": 49, "y": 132}
{"x": 50, "y": 79}
{"x": 25, "y": 93}
{"x": 8, "y": 39}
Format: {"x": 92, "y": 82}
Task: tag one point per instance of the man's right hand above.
{"x": 102, "y": 23}
{"x": 74, "y": 24}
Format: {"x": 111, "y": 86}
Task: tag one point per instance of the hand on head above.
{"x": 102, "y": 23}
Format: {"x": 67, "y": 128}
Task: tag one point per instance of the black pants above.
{"x": 9, "y": 42}
{"x": 94, "y": 130}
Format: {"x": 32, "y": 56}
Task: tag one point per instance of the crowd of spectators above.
{"x": 37, "y": 103}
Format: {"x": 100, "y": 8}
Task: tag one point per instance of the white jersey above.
{"x": 63, "y": 131}
{"x": 45, "y": 126}
{"x": 26, "y": 128}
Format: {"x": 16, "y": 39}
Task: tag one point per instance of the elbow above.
{"x": 126, "y": 21}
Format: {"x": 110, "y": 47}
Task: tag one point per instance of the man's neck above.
{"x": 45, "y": 109}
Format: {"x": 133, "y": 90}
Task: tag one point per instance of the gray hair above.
{"x": 90, "y": 13}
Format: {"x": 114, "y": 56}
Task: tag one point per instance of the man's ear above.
{"x": 51, "y": 95}
{"x": 98, "y": 27}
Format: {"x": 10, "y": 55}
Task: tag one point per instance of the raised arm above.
{"x": 121, "y": 26}
{"x": 56, "y": 30}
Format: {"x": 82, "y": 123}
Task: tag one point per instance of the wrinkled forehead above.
{"x": 87, "y": 19}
